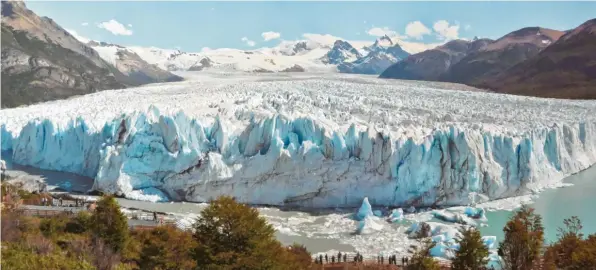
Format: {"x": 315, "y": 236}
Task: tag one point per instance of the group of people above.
{"x": 357, "y": 258}
{"x": 392, "y": 260}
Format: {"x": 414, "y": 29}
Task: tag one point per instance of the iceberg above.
{"x": 288, "y": 142}
{"x": 368, "y": 225}
{"x": 364, "y": 211}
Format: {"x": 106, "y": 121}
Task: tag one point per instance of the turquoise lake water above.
{"x": 554, "y": 205}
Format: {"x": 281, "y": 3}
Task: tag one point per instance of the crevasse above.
{"x": 282, "y": 161}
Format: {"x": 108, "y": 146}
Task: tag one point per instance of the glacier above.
{"x": 284, "y": 141}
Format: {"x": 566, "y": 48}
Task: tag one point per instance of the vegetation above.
{"x": 524, "y": 237}
{"x": 472, "y": 253}
{"x": 230, "y": 235}
{"x": 422, "y": 260}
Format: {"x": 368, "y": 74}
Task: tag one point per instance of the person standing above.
{"x": 326, "y": 259}
{"x": 339, "y": 257}
{"x": 345, "y": 258}
{"x": 332, "y": 259}
{"x": 321, "y": 258}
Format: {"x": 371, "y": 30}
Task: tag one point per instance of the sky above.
{"x": 195, "y": 26}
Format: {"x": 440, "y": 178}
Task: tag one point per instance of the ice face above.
{"x": 289, "y": 143}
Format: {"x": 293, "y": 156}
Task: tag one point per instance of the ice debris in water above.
{"x": 368, "y": 225}
{"x": 476, "y": 213}
{"x": 378, "y": 213}
{"x": 364, "y": 211}
{"x": 396, "y": 215}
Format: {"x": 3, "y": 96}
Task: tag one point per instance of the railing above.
{"x": 369, "y": 260}
{"x": 45, "y": 212}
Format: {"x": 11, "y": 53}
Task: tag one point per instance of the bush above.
{"x": 109, "y": 224}
{"x": 524, "y": 237}
{"x": 21, "y": 257}
{"x": 297, "y": 257}
{"x": 79, "y": 224}
{"x": 230, "y": 235}
{"x": 53, "y": 226}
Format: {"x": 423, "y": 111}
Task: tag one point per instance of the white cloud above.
{"x": 446, "y": 31}
{"x": 416, "y": 29}
{"x": 323, "y": 39}
{"x": 85, "y": 24}
{"x": 77, "y": 36}
{"x": 130, "y": 25}
{"x": 115, "y": 28}
{"x": 379, "y": 32}
{"x": 248, "y": 42}
{"x": 467, "y": 27}
{"x": 270, "y": 35}
{"x": 205, "y": 49}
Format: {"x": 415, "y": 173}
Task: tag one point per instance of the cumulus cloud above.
{"x": 270, "y": 35}
{"x": 130, "y": 25}
{"x": 85, "y": 24}
{"x": 115, "y": 28}
{"x": 379, "y": 32}
{"x": 248, "y": 42}
{"x": 416, "y": 29}
{"x": 446, "y": 31}
{"x": 77, "y": 36}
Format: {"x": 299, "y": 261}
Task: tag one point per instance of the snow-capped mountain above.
{"x": 131, "y": 64}
{"x": 342, "y": 51}
{"x": 381, "y": 55}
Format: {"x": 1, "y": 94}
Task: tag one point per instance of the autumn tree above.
{"x": 571, "y": 251}
{"x": 472, "y": 253}
{"x": 165, "y": 248}
{"x": 523, "y": 240}
{"x": 230, "y": 235}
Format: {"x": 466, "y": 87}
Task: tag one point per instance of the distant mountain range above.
{"x": 531, "y": 61}
{"x": 41, "y": 61}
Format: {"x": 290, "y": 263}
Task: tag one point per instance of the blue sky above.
{"x": 192, "y": 26}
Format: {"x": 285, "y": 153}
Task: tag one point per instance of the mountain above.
{"x": 41, "y": 61}
{"x": 341, "y": 51}
{"x": 382, "y": 54}
{"x": 131, "y": 64}
{"x": 565, "y": 69}
{"x": 431, "y": 64}
{"x": 500, "y": 55}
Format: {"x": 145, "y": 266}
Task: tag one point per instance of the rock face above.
{"x": 496, "y": 57}
{"x": 41, "y": 61}
{"x": 430, "y": 65}
{"x": 342, "y": 51}
{"x": 132, "y": 65}
{"x": 565, "y": 69}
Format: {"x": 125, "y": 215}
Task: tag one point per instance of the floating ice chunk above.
{"x": 365, "y": 210}
{"x": 476, "y": 213}
{"x": 441, "y": 250}
{"x": 378, "y": 213}
{"x": 368, "y": 225}
{"x": 396, "y": 215}
{"x": 489, "y": 241}
{"x": 449, "y": 216}
{"x": 493, "y": 260}
{"x": 147, "y": 194}
{"x": 412, "y": 209}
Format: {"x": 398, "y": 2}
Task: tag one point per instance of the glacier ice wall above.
{"x": 283, "y": 161}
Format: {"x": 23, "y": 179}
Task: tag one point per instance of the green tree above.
{"x": 472, "y": 253}
{"x": 422, "y": 260}
{"x": 109, "y": 224}
{"x": 524, "y": 237}
{"x": 230, "y": 235}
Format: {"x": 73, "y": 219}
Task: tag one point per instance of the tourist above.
{"x": 339, "y": 257}
{"x": 321, "y": 258}
{"x": 345, "y": 258}
{"x": 382, "y": 259}
{"x": 332, "y": 259}
{"x": 326, "y": 259}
